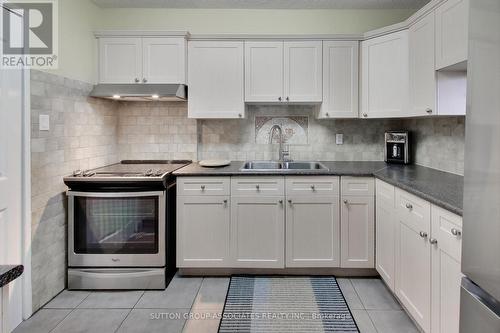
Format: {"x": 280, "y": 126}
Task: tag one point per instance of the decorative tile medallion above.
{"x": 295, "y": 129}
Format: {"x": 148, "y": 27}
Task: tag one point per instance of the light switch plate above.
{"x": 44, "y": 122}
{"x": 339, "y": 139}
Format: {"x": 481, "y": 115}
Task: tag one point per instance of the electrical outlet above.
{"x": 339, "y": 139}
{"x": 44, "y": 122}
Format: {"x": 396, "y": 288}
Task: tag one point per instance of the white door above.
{"x": 264, "y": 71}
{"x": 340, "y": 79}
{"x": 258, "y": 232}
{"x": 357, "y": 228}
{"x": 446, "y": 272}
{"x": 203, "y": 231}
{"x": 216, "y": 79}
{"x": 11, "y": 216}
{"x": 312, "y": 242}
{"x": 385, "y": 229}
{"x": 385, "y": 76}
{"x": 303, "y": 71}
{"x": 120, "y": 60}
{"x": 164, "y": 60}
{"x": 422, "y": 69}
{"x": 452, "y": 27}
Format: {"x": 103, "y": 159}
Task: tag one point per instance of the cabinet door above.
{"x": 385, "y": 76}
{"x": 215, "y": 79}
{"x": 164, "y": 60}
{"x": 257, "y": 232}
{"x": 452, "y": 22}
{"x": 385, "y": 228}
{"x": 203, "y": 231}
{"x": 446, "y": 272}
{"x": 413, "y": 270}
{"x": 264, "y": 71}
{"x": 303, "y": 71}
{"x": 422, "y": 69}
{"x": 357, "y": 227}
{"x": 312, "y": 242}
{"x": 340, "y": 79}
{"x": 120, "y": 60}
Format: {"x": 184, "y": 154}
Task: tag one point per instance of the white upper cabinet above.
{"x": 422, "y": 69}
{"x": 142, "y": 60}
{"x": 120, "y": 60}
{"x": 216, "y": 79}
{"x": 340, "y": 79}
{"x": 164, "y": 60}
{"x": 452, "y": 25}
{"x": 385, "y": 76}
{"x": 303, "y": 71}
{"x": 264, "y": 71}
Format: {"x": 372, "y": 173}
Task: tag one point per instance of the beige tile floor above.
{"x": 192, "y": 304}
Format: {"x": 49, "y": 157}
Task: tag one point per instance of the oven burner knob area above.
{"x": 148, "y": 173}
{"x": 158, "y": 173}
{"x": 77, "y": 173}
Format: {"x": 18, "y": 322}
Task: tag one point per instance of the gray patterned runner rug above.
{"x": 285, "y": 304}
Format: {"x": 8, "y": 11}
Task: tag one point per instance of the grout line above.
{"x": 143, "y": 292}
{"x": 194, "y": 299}
{"x": 128, "y": 314}
{"x": 357, "y": 294}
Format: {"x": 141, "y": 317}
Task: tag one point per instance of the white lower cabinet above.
{"x": 258, "y": 232}
{"x": 446, "y": 273}
{"x": 203, "y": 224}
{"x": 385, "y": 233}
{"x": 312, "y": 231}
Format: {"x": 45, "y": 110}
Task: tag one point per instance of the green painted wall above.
{"x": 79, "y": 18}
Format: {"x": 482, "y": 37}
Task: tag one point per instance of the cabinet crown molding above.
{"x": 141, "y": 33}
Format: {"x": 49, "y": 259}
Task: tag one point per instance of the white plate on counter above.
{"x": 214, "y": 163}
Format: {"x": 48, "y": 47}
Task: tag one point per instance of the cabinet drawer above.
{"x": 357, "y": 185}
{"x": 415, "y": 212}
{"x": 312, "y": 185}
{"x": 255, "y": 186}
{"x": 203, "y": 186}
{"x": 447, "y": 230}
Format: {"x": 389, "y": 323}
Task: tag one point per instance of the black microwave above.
{"x": 397, "y": 147}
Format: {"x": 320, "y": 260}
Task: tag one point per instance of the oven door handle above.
{"x": 115, "y": 194}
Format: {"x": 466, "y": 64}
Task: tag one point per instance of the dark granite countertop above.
{"x": 9, "y": 273}
{"x": 440, "y": 188}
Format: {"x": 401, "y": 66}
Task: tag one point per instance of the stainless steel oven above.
{"x": 116, "y": 229}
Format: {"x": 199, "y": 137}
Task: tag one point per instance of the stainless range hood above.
{"x": 141, "y": 92}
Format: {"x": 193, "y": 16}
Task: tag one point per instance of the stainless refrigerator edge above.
{"x": 480, "y": 292}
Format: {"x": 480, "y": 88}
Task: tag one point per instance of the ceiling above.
{"x": 264, "y": 4}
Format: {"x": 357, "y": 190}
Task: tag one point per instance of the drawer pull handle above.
{"x": 346, "y": 202}
{"x": 313, "y": 188}
{"x": 202, "y": 187}
{"x": 433, "y": 241}
{"x": 455, "y": 232}
{"x": 257, "y": 187}
{"x": 225, "y": 201}
{"x": 290, "y": 202}
{"x": 409, "y": 206}
{"x": 423, "y": 234}
{"x": 281, "y": 202}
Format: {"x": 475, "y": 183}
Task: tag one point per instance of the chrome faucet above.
{"x": 284, "y": 152}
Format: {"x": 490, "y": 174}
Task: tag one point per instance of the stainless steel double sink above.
{"x": 282, "y": 166}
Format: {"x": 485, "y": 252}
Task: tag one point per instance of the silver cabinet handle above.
{"x": 240, "y": 115}
{"x": 136, "y": 80}
{"x": 279, "y": 98}
{"x": 313, "y": 188}
{"x": 327, "y": 115}
{"x": 423, "y": 234}
{"x": 409, "y": 206}
{"x": 455, "y": 232}
{"x": 433, "y": 241}
{"x": 290, "y": 201}
{"x": 202, "y": 187}
{"x": 287, "y": 98}
{"x": 257, "y": 187}
{"x": 225, "y": 202}
{"x": 428, "y": 110}
{"x": 280, "y": 202}
{"x": 365, "y": 115}
{"x": 346, "y": 202}
{"x": 144, "y": 80}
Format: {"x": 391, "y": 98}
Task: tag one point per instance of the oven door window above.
{"x": 116, "y": 225}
